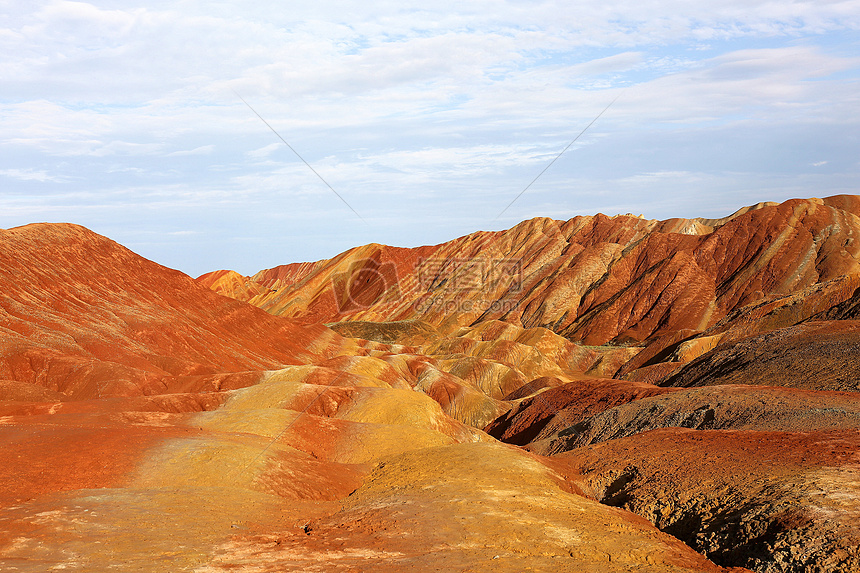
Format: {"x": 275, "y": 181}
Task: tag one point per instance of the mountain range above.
{"x": 599, "y": 394}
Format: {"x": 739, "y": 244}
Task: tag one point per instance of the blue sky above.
{"x": 427, "y": 120}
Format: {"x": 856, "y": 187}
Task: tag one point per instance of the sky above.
{"x": 421, "y": 122}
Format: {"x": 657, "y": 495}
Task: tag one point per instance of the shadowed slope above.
{"x": 711, "y": 408}
{"x": 813, "y": 355}
{"x": 556, "y": 409}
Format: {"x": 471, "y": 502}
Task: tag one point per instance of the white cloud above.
{"x": 265, "y": 151}
{"x": 765, "y": 84}
{"x": 202, "y": 150}
{"x": 125, "y": 148}
{"x": 414, "y": 112}
{"x": 662, "y": 177}
{"x": 30, "y": 175}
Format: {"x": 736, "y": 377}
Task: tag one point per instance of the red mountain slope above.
{"x": 592, "y": 279}
{"x": 84, "y": 316}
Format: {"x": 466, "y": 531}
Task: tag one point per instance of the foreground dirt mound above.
{"x": 769, "y": 501}
{"x": 761, "y": 477}
{"x": 471, "y": 507}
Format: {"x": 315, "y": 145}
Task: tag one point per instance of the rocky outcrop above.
{"x": 541, "y": 416}
{"x": 769, "y": 501}
{"x": 817, "y": 355}
{"x": 709, "y": 408}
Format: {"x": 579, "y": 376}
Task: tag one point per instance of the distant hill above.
{"x": 594, "y": 279}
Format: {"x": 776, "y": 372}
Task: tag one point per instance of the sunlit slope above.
{"x": 593, "y": 279}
